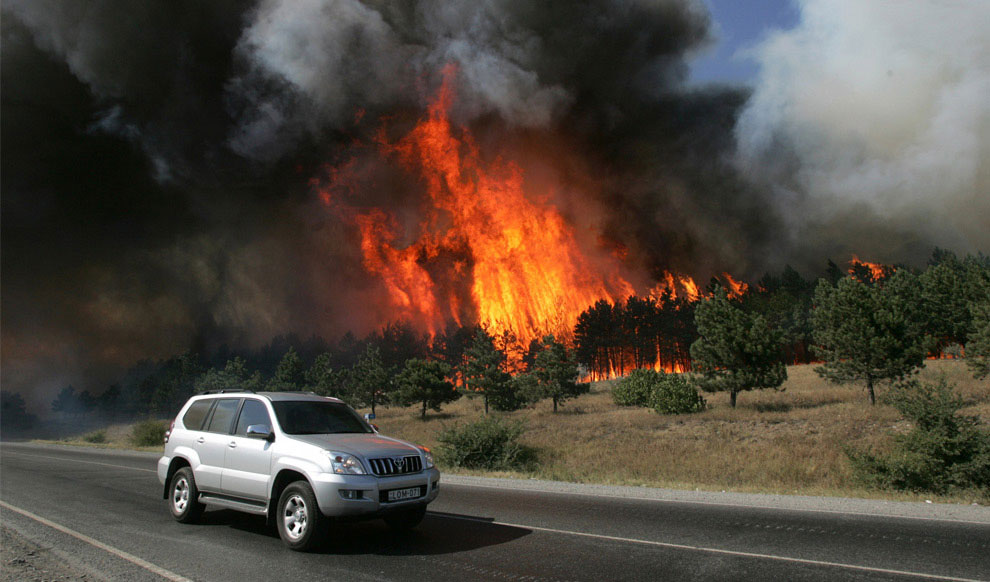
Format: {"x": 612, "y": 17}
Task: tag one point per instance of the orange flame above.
{"x": 677, "y": 286}
{"x": 735, "y": 288}
{"x": 878, "y": 271}
{"x": 517, "y": 258}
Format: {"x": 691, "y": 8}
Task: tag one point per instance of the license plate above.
{"x": 400, "y": 494}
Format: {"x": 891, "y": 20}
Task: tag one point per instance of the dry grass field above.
{"x": 788, "y": 442}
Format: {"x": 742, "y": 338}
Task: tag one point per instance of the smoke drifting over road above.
{"x": 158, "y": 156}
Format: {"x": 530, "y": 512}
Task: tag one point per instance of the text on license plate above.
{"x": 400, "y": 494}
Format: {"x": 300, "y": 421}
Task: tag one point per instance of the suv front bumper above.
{"x": 372, "y": 498}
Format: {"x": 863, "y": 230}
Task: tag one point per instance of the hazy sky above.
{"x": 739, "y": 24}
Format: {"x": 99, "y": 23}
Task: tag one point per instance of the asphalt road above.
{"x": 102, "y": 512}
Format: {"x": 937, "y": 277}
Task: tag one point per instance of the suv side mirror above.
{"x": 260, "y": 431}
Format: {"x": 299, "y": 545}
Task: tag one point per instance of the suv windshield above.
{"x": 309, "y": 417}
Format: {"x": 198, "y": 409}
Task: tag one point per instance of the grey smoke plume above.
{"x": 157, "y": 156}
{"x": 872, "y": 117}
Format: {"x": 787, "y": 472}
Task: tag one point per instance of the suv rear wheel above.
{"x": 183, "y": 500}
{"x": 299, "y": 520}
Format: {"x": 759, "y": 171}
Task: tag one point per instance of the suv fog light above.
{"x": 350, "y": 493}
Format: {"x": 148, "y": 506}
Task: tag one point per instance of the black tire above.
{"x": 298, "y": 518}
{"x": 405, "y": 519}
{"x": 183, "y": 498}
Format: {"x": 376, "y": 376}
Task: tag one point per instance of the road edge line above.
{"x": 456, "y": 483}
{"x": 155, "y": 569}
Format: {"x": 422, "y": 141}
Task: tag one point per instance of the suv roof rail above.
{"x": 227, "y": 391}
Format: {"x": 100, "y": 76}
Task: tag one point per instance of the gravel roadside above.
{"x": 26, "y": 561}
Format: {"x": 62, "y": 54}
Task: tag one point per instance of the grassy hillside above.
{"x": 789, "y": 441}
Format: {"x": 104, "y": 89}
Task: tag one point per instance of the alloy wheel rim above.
{"x": 295, "y": 517}
{"x": 180, "y": 495}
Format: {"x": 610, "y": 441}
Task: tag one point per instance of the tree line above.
{"x": 863, "y": 325}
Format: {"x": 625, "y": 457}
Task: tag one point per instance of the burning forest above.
{"x": 202, "y": 178}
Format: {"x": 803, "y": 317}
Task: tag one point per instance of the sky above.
{"x": 738, "y": 26}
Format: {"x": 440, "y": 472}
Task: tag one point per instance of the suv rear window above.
{"x": 313, "y": 417}
{"x": 223, "y": 415}
{"x": 194, "y": 417}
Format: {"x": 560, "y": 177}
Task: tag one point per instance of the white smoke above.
{"x": 877, "y": 107}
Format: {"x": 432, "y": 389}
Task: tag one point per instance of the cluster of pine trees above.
{"x": 862, "y": 325}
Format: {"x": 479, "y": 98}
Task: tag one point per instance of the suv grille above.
{"x": 396, "y": 465}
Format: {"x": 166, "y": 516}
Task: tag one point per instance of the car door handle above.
{"x": 233, "y": 444}
{"x": 200, "y": 440}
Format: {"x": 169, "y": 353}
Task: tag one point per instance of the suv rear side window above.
{"x": 194, "y": 417}
{"x": 223, "y": 415}
{"x": 253, "y": 412}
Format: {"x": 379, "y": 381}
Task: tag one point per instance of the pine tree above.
{"x": 371, "y": 379}
{"x": 289, "y": 374}
{"x": 868, "y": 333}
{"x": 978, "y": 347}
{"x": 322, "y": 378}
{"x": 737, "y": 350}
{"x": 554, "y": 373}
{"x": 425, "y": 381}
{"x": 484, "y": 373}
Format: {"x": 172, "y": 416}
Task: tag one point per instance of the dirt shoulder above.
{"x": 26, "y": 561}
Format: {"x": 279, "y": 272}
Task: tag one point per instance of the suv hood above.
{"x": 366, "y": 445}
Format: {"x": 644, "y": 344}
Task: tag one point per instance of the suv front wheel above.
{"x": 300, "y": 522}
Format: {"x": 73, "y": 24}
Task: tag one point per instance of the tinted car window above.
{"x": 194, "y": 417}
{"x": 253, "y": 412}
{"x": 312, "y": 417}
{"x": 223, "y": 415}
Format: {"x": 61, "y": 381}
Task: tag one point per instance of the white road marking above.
{"x": 167, "y": 574}
{"x": 81, "y": 461}
{"x": 454, "y": 483}
{"x": 718, "y": 551}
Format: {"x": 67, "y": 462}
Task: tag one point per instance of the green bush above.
{"x": 664, "y": 393}
{"x": 673, "y": 394}
{"x": 97, "y": 437}
{"x": 490, "y": 443}
{"x": 150, "y": 433}
{"x": 634, "y": 389}
{"x": 942, "y": 451}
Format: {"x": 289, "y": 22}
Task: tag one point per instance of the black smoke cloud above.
{"x": 157, "y": 158}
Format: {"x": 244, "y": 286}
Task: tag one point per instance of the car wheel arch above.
{"x": 176, "y": 464}
{"x": 283, "y": 479}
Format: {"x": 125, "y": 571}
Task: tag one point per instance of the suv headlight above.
{"x": 427, "y": 457}
{"x": 344, "y": 464}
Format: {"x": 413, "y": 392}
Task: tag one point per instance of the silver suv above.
{"x": 299, "y": 459}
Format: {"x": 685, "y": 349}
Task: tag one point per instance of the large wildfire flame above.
{"x": 485, "y": 250}
{"x": 517, "y": 256}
